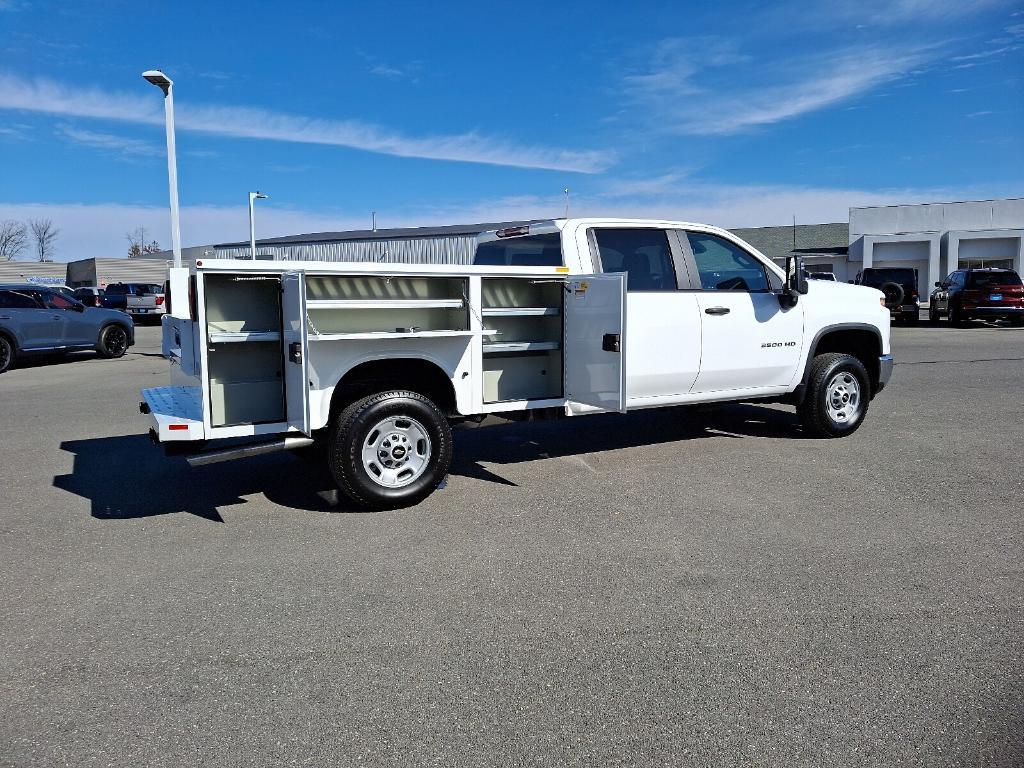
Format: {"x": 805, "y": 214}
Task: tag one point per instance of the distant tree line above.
{"x": 17, "y": 236}
{"x": 39, "y": 235}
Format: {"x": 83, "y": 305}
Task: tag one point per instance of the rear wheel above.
{"x": 390, "y": 450}
{"x": 837, "y": 396}
{"x": 113, "y": 341}
{"x": 6, "y": 354}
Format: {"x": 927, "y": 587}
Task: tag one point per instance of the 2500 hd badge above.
{"x": 778, "y": 344}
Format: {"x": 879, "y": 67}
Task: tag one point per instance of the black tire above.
{"x": 823, "y": 385}
{"x": 910, "y": 319}
{"x": 894, "y": 293}
{"x": 357, "y": 426}
{"x": 954, "y": 317}
{"x": 933, "y": 315}
{"x": 6, "y": 354}
{"x": 113, "y": 341}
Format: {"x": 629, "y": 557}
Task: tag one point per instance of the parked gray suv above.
{"x": 36, "y": 320}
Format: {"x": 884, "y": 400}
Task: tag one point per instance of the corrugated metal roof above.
{"x": 449, "y": 230}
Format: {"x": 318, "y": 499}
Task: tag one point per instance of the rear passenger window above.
{"x": 724, "y": 266}
{"x": 17, "y": 300}
{"x": 643, "y": 254}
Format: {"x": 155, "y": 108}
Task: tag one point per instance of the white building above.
{"x": 937, "y": 238}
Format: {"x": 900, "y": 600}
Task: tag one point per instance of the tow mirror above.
{"x": 796, "y": 280}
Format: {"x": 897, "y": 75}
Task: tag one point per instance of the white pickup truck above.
{"x": 375, "y": 362}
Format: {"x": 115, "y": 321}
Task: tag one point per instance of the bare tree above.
{"x": 44, "y": 232}
{"x": 137, "y": 244}
{"x": 13, "y": 239}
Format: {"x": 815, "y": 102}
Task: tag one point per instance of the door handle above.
{"x": 295, "y": 352}
{"x": 611, "y": 342}
{"x": 716, "y": 311}
{"x": 5, "y": 317}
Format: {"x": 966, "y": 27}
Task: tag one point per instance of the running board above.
{"x": 245, "y": 451}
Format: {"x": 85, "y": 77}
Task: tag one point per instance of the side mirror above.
{"x": 796, "y": 279}
{"x": 938, "y": 285}
{"x": 78, "y": 307}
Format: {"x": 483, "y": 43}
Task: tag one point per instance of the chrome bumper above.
{"x": 885, "y": 364}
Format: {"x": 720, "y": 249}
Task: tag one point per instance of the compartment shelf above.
{"x": 385, "y": 304}
{"x": 221, "y": 337}
{"x": 519, "y": 346}
{"x": 384, "y": 335}
{"x": 521, "y": 311}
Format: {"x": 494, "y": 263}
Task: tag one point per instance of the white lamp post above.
{"x": 253, "y": 196}
{"x": 165, "y": 84}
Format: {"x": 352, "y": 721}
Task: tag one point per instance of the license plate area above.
{"x": 995, "y": 297}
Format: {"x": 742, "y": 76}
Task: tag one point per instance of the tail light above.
{"x": 159, "y": 300}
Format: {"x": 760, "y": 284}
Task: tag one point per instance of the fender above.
{"x": 812, "y": 349}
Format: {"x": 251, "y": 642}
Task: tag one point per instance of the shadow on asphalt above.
{"x": 127, "y": 477}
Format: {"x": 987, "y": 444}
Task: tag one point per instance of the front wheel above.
{"x": 113, "y": 341}
{"x": 390, "y": 450}
{"x": 837, "y": 396}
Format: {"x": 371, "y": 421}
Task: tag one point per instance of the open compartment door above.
{"x": 595, "y": 343}
{"x": 296, "y": 350}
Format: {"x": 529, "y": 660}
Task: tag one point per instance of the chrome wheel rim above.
{"x": 843, "y": 398}
{"x": 117, "y": 341}
{"x": 5, "y": 354}
{"x": 396, "y": 451}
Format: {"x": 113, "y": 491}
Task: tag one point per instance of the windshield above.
{"x": 147, "y": 288}
{"x": 529, "y": 251}
{"x": 985, "y": 279}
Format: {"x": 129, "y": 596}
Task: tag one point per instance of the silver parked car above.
{"x": 42, "y": 320}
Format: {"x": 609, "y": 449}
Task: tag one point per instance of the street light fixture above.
{"x": 253, "y": 196}
{"x": 165, "y": 84}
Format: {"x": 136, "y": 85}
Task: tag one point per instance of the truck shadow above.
{"x": 126, "y": 477}
{"x": 521, "y": 442}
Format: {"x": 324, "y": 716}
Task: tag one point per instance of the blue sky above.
{"x": 733, "y": 113}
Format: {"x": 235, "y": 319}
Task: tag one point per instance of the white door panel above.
{"x": 663, "y": 354}
{"x": 296, "y": 350}
{"x": 747, "y": 340}
{"x": 595, "y": 319}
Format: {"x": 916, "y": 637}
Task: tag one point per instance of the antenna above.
{"x": 373, "y": 220}
{"x": 566, "y": 193}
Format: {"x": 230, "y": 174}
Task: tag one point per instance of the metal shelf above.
{"x": 222, "y": 337}
{"x": 519, "y": 346}
{"x": 521, "y": 311}
{"x": 385, "y": 335}
{"x": 384, "y": 304}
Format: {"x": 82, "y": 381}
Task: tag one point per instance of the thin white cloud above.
{"x": 690, "y": 87}
{"x": 122, "y": 145}
{"x": 51, "y": 97}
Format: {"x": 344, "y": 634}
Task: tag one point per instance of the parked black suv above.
{"x": 899, "y": 284}
{"x": 967, "y": 294}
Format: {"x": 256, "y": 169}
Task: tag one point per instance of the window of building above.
{"x": 643, "y": 254}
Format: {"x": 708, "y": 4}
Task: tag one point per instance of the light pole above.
{"x": 253, "y": 196}
{"x": 165, "y": 84}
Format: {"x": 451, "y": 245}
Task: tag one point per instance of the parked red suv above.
{"x": 970, "y": 294}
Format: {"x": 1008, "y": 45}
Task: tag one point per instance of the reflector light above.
{"x": 177, "y": 427}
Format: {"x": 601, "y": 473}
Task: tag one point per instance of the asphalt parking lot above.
{"x": 664, "y": 588}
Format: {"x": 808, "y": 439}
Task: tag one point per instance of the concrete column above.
{"x": 934, "y": 269}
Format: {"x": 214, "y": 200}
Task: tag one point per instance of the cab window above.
{"x": 724, "y": 266}
{"x": 643, "y": 254}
